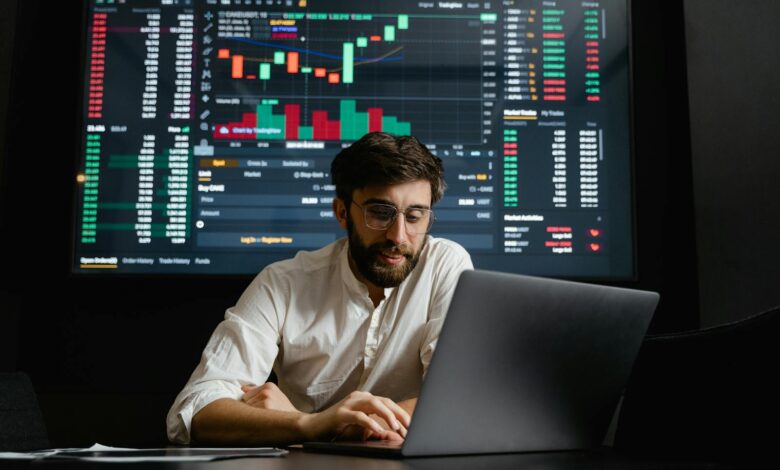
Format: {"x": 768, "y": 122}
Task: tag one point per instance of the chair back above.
{"x": 705, "y": 394}
{"x": 21, "y": 422}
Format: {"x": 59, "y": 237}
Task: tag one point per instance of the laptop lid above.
{"x": 528, "y": 364}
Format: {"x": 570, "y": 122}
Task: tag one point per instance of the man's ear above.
{"x": 340, "y": 211}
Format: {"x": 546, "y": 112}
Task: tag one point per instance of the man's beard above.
{"x": 367, "y": 260}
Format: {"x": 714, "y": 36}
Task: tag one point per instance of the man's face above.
{"x": 386, "y": 257}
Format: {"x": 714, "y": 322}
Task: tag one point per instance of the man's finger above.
{"x": 358, "y": 417}
{"x": 378, "y": 406}
{"x": 392, "y": 436}
{"x": 401, "y": 413}
{"x": 384, "y": 436}
{"x": 250, "y": 392}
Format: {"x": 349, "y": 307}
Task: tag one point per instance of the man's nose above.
{"x": 396, "y": 233}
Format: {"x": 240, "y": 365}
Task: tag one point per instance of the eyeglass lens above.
{"x": 382, "y": 216}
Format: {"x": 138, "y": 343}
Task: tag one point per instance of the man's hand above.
{"x": 267, "y": 397}
{"x": 356, "y": 432}
{"x": 350, "y": 418}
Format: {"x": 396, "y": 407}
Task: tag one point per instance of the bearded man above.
{"x": 348, "y": 330}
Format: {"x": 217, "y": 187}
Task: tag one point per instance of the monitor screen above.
{"x": 209, "y": 126}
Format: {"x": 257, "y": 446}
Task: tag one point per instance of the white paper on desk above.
{"x": 101, "y": 453}
{"x": 36, "y": 454}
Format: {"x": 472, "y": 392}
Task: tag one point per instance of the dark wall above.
{"x": 107, "y": 357}
{"x": 7, "y": 29}
{"x": 666, "y": 245}
{"x": 734, "y": 76}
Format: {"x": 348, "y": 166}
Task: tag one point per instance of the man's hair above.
{"x": 381, "y": 159}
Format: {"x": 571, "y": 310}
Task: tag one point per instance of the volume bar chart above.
{"x": 350, "y": 124}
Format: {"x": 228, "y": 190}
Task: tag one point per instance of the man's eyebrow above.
{"x": 376, "y": 200}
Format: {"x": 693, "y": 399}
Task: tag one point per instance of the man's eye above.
{"x": 380, "y": 213}
{"x": 414, "y": 216}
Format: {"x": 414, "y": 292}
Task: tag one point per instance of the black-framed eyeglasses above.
{"x": 380, "y": 216}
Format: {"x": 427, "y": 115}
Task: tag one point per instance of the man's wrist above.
{"x": 305, "y": 426}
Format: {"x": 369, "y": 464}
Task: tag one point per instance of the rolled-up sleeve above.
{"x": 455, "y": 262}
{"x": 242, "y": 350}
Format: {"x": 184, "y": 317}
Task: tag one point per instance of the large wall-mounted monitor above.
{"x": 209, "y": 127}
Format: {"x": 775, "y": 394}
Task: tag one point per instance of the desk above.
{"x": 298, "y": 459}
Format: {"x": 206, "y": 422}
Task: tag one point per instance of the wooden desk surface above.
{"x": 298, "y": 459}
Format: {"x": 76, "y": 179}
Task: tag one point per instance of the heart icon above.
{"x": 595, "y": 247}
{"x": 594, "y": 232}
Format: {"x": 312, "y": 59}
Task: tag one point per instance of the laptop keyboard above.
{"x": 382, "y": 443}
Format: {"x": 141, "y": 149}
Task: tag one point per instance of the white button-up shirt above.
{"x": 312, "y": 321}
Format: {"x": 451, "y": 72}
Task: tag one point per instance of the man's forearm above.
{"x": 231, "y": 422}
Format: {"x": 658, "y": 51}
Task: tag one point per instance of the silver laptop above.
{"x": 523, "y": 364}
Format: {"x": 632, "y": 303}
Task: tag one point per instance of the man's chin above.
{"x": 389, "y": 275}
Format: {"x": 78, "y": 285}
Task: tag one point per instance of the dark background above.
{"x": 107, "y": 357}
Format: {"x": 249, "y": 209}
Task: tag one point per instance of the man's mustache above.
{"x": 389, "y": 247}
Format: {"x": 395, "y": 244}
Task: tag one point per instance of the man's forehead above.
{"x": 413, "y": 193}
